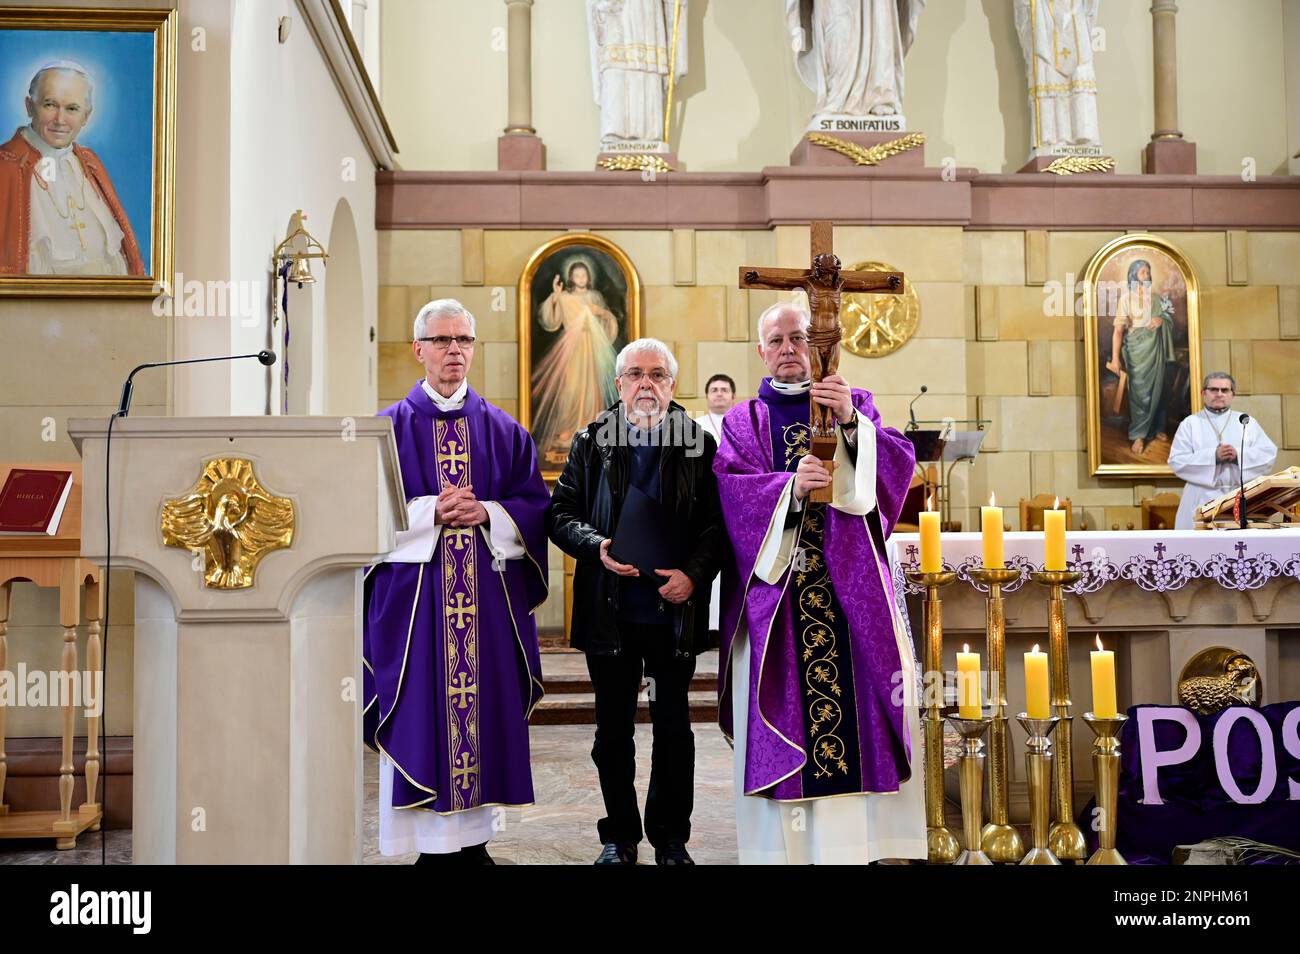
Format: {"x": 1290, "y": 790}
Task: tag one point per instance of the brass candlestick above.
{"x": 1038, "y": 769}
{"x": 1105, "y": 766}
{"x": 1065, "y": 839}
{"x": 943, "y": 844}
{"x": 972, "y": 786}
{"x": 1000, "y": 841}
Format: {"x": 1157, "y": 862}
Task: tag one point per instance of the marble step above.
{"x": 564, "y": 672}
{"x": 579, "y": 708}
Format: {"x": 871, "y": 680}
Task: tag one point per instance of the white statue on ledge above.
{"x": 631, "y": 57}
{"x": 850, "y": 52}
{"x": 1056, "y": 39}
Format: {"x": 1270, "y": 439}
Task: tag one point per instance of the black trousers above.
{"x": 617, "y": 681}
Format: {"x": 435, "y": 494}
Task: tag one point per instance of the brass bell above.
{"x": 300, "y": 271}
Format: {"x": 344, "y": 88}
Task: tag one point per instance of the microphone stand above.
{"x": 1241, "y": 470}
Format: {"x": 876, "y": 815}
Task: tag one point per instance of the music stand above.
{"x": 946, "y": 444}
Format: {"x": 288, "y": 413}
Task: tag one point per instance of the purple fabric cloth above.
{"x": 750, "y": 484}
{"x": 452, "y": 669}
{"x": 1196, "y": 807}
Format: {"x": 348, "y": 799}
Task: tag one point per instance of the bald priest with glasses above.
{"x": 452, "y": 669}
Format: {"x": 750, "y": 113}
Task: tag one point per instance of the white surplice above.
{"x": 1192, "y": 458}
{"x": 712, "y": 423}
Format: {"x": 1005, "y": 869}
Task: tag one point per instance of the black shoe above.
{"x": 475, "y": 855}
{"x": 616, "y": 854}
{"x": 673, "y": 854}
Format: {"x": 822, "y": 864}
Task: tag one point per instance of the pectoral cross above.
{"x": 79, "y": 227}
{"x": 823, "y": 282}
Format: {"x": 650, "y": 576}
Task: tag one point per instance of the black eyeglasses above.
{"x": 443, "y": 342}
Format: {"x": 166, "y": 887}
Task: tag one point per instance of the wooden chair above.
{"x": 1031, "y": 511}
{"x": 1159, "y": 512}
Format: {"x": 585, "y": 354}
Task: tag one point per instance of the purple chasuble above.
{"x": 796, "y": 626}
{"x": 452, "y": 669}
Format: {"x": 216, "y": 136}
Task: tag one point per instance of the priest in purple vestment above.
{"x": 817, "y": 675}
{"x": 452, "y": 669}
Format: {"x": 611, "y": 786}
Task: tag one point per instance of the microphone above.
{"x": 128, "y": 389}
{"x": 123, "y": 408}
{"x": 912, "y": 413}
{"x": 1241, "y": 469}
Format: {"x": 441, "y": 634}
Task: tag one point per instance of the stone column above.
{"x": 520, "y": 148}
{"x": 1168, "y": 152}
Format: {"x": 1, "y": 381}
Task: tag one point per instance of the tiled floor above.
{"x": 559, "y": 829}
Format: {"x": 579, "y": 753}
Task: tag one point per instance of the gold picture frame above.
{"x": 1127, "y": 411}
{"x": 576, "y": 373}
{"x": 154, "y": 272}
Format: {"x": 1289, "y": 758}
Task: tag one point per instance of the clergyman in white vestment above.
{"x": 1208, "y": 444}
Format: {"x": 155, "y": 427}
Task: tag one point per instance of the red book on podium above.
{"x": 32, "y": 501}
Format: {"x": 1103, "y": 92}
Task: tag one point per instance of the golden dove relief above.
{"x": 231, "y": 519}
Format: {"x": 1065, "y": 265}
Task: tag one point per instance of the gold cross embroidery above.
{"x": 459, "y": 690}
{"x": 464, "y": 772}
{"x": 455, "y": 458}
{"x": 459, "y": 610}
{"x": 460, "y": 538}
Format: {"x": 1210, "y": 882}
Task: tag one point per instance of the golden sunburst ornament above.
{"x": 867, "y": 155}
{"x": 231, "y": 519}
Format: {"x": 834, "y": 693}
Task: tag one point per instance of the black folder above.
{"x": 645, "y": 536}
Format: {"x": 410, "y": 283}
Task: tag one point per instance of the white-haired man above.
{"x": 814, "y": 650}
{"x": 1207, "y": 446}
{"x": 643, "y": 446}
{"x": 452, "y": 669}
{"x": 60, "y": 212}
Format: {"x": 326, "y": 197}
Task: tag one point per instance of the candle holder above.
{"x": 1038, "y": 769}
{"x": 1065, "y": 838}
{"x": 972, "y": 786}
{"x": 943, "y": 846}
{"x": 1000, "y": 841}
{"x": 1105, "y": 766}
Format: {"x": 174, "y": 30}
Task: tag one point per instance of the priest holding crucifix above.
{"x": 817, "y": 662}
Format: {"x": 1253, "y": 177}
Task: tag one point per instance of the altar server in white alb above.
{"x": 720, "y": 393}
{"x": 1206, "y": 450}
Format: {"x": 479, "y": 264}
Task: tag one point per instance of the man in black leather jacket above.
{"x": 622, "y": 619}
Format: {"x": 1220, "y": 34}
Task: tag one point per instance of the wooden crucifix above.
{"x": 823, "y": 283}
